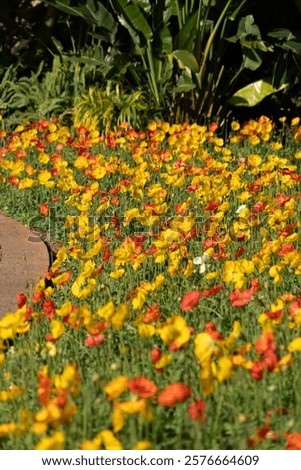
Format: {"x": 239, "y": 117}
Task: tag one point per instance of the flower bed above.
{"x": 170, "y": 317}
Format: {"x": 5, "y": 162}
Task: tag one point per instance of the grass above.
{"x": 170, "y": 318}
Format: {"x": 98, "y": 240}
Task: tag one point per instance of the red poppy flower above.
{"x": 173, "y": 394}
{"x": 44, "y": 209}
{"x": 255, "y": 286}
{"x": 196, "y": 411}
{"x": 212, "y": 331}
{"x": 28, "y": 314}
{"x": 282, "y": 199}
{"x": 285, "y": 249}
{"x": 152, "y": 314}
{"x": 38, "y": 296}
{"x": 44, "y": 388}
{"x": 258, "y": 207}
{"x": 212, "y": 206}
{"x": 155, "y": 354}
{"x": 92, "y": 341}
{"x": 294, "y": 308}
{"x": 213, "y": 291}
{"x": 106, "y": 254}
{"x": 257, "y": 369}
{"x": 293, "y": 441}
{"x": 213, "y": 126}
{"x": 49, "y": 308}
{"x": 239, "y": 252}
{"x": 143, "y": 387}
{"x": 238, "y": 298}
{"x": 190, "y": 300}
{"x": 21, "y": 299}
{"x": 265, "y": 343}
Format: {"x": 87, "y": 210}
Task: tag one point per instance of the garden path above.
{"x": 24, "y": 260}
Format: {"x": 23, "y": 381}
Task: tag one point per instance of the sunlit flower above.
{"x": 142, "y": 386}
{"x": 196, "y": 411}
{"x": 173, "y": 394}
{"x": 190, "y": 300}
{"x": 201, "y": 262}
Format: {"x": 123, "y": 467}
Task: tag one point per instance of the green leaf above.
{"x": 133, "y": 16}
{"x": 248, "y": 27}
{"x": 233, "y": 9}
{"x": 293, "y": 46}
{"x": 170, "y": 9}
{"x": 166, "y": 40}
{"x": 281, "y": 34}
{"x": 255, "y": 92}
{"x": 92, "y": 13}
{"x": 186, "y": 58}
{"x": 185, "y": 37}
{"x": 251, "y": 58}
{"x": 185, "y": 83}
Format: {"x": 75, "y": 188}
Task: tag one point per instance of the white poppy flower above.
{"x": 240, "y": 209}
{"x": 201, "y": 262}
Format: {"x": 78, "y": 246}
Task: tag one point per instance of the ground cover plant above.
{"x": 170, "y": 315}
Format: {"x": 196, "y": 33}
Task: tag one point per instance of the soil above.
{"x": 24, "y": 259}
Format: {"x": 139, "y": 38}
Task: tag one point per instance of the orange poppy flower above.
{"x": 293, "y": 441}
{"x": 94, "y": 340}
{"x": 196, "y": 411}
{"x": 173, "y": 394}
{"x": 239, "y": 298}
{"x": 190, "y": 300}
{"x": 44, "y": 209}
{"x": 143, "y": 387}
{"x": 21, "y": 299}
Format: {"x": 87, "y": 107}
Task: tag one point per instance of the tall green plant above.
{"x": 178, "y": 47}
{"x": 106, "y": 108}
{"x": 43, "y": 94}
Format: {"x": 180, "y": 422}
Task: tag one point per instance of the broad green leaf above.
{"x": 185, "y": 83}
{"x": 255, "y": 92}
{"x": 91, "y": 12}
{"x": 293, "y": 46}
{"x": 133, "y": 16}
{"x": 252, "y": 54}
{"x": 251, "y": 59}
{"x": 187, "y": 59}
{"x": 64, "y": 6}
{"x": 166, "y": 40}
{"x": 170, "y": 9}
{"x": 281, "y": 34}
{"x": 280, "y": 70}
{"x": 145, "y": 5}
{"x": 247, "y": 27}
{"x": 186, "y": 36}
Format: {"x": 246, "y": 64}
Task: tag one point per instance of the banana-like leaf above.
{"x": 132, "y": 16}
{"x": 255, "y": 92}
{"x": 293, "y": 46}
{"x": 185, "y": 83}
{"x": 186, "y": 36}
{"x": 93, "y": 13}
{"x": 186, "y": 58}
{"x": 166, "y": 39}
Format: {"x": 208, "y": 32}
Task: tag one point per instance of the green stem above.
{"x": 210, "y": 42}
{"x": 152, "y": 72}
{"x": 179, "y": 14}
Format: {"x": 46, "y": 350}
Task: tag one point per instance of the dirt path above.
{"x": 24, "y": 260}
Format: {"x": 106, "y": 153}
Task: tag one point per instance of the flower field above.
{"x": 170, "y": 317}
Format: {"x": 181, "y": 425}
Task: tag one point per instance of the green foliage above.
{"x": 255, "y": 92}
{"x": 190, "y": 59}
{"x": 105, "y": 108}
{"x": 43, "y": 94}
